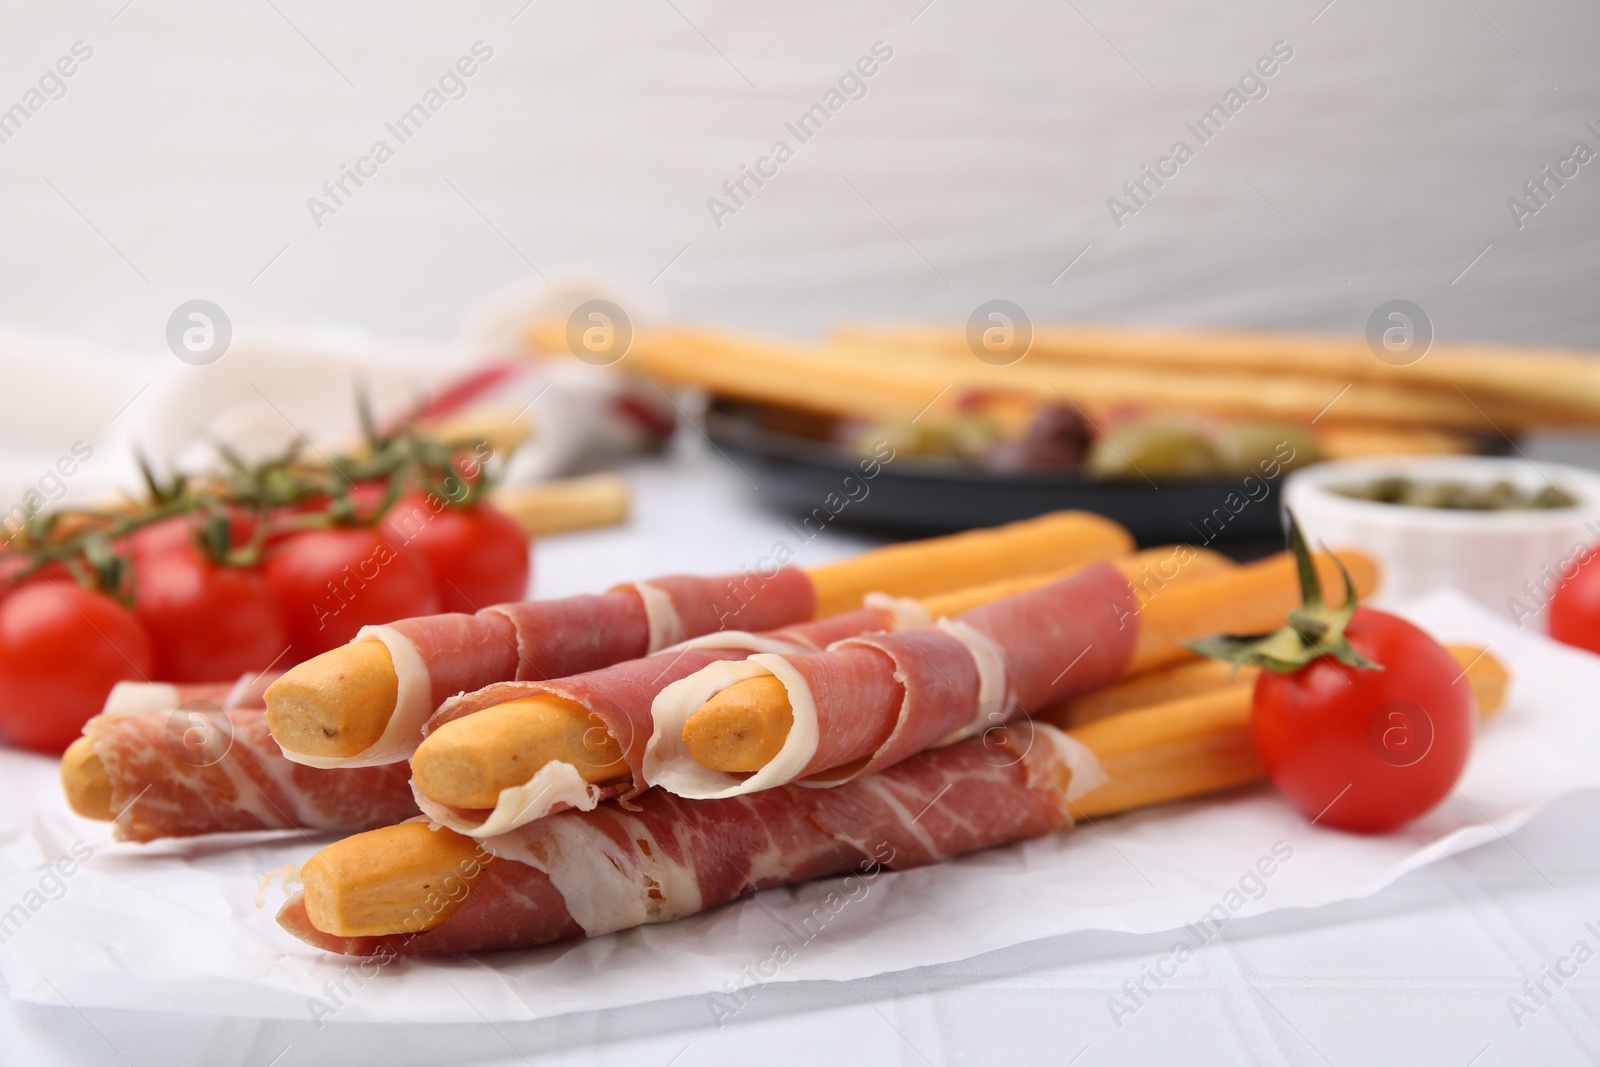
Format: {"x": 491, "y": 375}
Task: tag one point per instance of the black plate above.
{"x": 918, "y": 496}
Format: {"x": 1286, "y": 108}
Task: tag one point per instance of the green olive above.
{"x": 1256, "y": 447}
{"x": 1457, "y": 496}
{"x": 1151, "y": 450}
{"x": 962, "y": 437}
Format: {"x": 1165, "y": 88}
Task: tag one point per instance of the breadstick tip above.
{"x": 85, "y": 781}
{"x": 742, "y": 728}
{"x": 335, "y": 704}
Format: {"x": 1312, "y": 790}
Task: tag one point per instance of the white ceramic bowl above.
{"x": 1509, "y": 561}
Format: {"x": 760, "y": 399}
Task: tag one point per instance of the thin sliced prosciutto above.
{"x": 199, "y": 760}
{"x": 596, "y": 872}
{"x": 869, "y": 701}
{"x": 439, "y": 656}
{"x": 619, "y": 698}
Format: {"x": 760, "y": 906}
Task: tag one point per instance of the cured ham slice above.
{"x": 595, "y": 872}
{"x": 619, "y": 699}
{"x": 201, "y": 768}
{"x": 164, "y": 696}
{"x": 868, "y": 702}
{"x": 438, "y": 656}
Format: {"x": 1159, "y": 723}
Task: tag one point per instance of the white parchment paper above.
{"x": 174, "y": 927}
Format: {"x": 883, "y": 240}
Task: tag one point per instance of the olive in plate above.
{"x": 1151, "y": 449}
{"x": 962, "y": 437}
{"x": 1244, "y": 447}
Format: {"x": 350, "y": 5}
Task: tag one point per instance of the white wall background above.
{"x": 179, "y": 163}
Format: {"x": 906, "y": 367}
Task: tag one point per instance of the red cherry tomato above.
{"x": 478, "y": 555}
{"x": 1574, "y": 615}
{"x": 62, "y": 648}
{"x": 208, "y": 622}
{"x": 330, "y": 583}
{"x": 1368, "y": 750}
{"x": 158, "y": 538}
{"x": 13, "y": 563}
{"x": 180, "y": 532}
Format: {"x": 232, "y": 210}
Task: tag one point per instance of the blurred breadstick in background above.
{"x": 891, "y": 380}
{"x": 1552, "y": 386}
{"x": 565, "y": 504}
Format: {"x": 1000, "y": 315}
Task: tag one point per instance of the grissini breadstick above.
{"x": 407, "y": 891}
{"x": 86, "y": 781}
{"x": 837, "y": 380}
{"x": 791, "y": 375}
{"x": 364, "y": 704}
{"x": 735, "y": 723}
{"x": 1059, "y": 541}
{"x": 1288, "y": 392}
{"x": 1563, "y": 383}
{"x": 565, "y": 504}
{"x": 1347, "y": 441}
{"x": 516, "y": 751}
{"x": 1143, "y": 690}
{"x": 1149, "y": 571}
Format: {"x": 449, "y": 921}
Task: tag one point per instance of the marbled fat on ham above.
{"x": 749, "y": 602}
{"x": 1066, "y": 638}
{"x": 608, "y": 869}
{"x": 926, "y": 681}
{"x": 459, "y": 651}
{"x": 821, "y": 633}
{"x": 570, "y": 635}
{"x": 189, "y": 771}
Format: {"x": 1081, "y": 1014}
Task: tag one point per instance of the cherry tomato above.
{"x": 13, "y": 563}
{"x": 1574, "y": 615}
{"x": 180, "y": 532}
{"x": 209, "y": 622}
{"x": 478, "y": 555}
{"x": 62, "y": 648}
{"x": 158, "y": 538}
{"x": 330, "y": 583}
{"x": 1368, "y": 750}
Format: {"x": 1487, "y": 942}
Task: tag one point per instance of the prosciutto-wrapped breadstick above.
{"x": 364, "y": 704}
{"x": 598, "y": 721}
{"x": 868, "y": 702}
{"x": 514, "y": 752}
{"x": 177, "y": 761}
{"x": 409, "y": 890}
{"x": 595, "y": 872}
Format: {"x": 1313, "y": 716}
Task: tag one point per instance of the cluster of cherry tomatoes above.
{"x": 207, "y": 588}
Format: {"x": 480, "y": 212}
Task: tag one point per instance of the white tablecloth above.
{"x": 1423, "y": 971}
